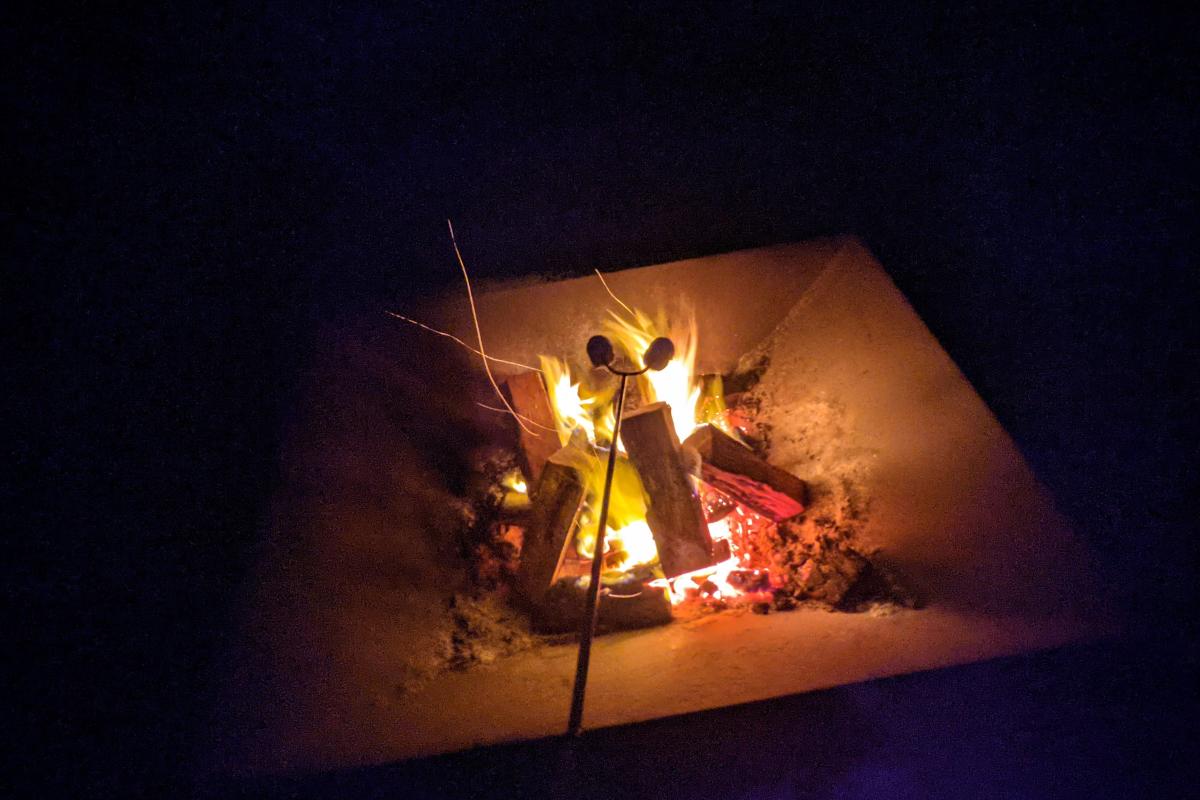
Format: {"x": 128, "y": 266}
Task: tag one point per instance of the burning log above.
{"x": 527, "y": 393}
{"x": 674, "y": 513}
{"x": 732, "y": 468}
{"x": 555, "y": 506}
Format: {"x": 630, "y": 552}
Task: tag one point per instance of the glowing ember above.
{"x": 724, "y": 580}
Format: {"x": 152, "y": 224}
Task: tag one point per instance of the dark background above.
{"x": 191, "y": 190}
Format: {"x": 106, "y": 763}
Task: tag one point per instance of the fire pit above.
{"x": 809, "y": 494}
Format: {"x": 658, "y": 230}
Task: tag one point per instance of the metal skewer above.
{"x": 600, "y": 351}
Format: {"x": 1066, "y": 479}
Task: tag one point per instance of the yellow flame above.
{"x": 514, "y": 481}
{"x": 605, "y": 421}
{"x": 626, "y": 505}
{"x": 676, "y": 384}
{"x": 711, "y": 409}
{"x": 572, "y": 411}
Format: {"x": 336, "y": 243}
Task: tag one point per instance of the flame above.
{"x": 633, "y": 544}
{"x": 583, "y": 418}
{"x": 572, "y": 411}
{"x": 516, "y": 492}
{"x": 514, "y": 481}
{"x": 675, "y": 384}
{"x": 626, "y": 509}
{"x": 717, "y": 575}
{"x": 712, "y": 409}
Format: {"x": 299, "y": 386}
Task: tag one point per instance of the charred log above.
{"x": 624, "y": 606}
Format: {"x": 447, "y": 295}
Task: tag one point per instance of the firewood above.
{"x": 555, "y": 505}
{"x": 629, "y": 606}
{"x": 732, "y": 468}
{"x": 527, "y": 393}
{"x": 673, "y": 513}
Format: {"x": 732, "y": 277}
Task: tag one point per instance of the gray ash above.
{"x": 480, "y": 629}
{"x": 829, "y": 570}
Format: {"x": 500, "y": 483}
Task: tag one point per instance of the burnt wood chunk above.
{"x": 673, "y": 509}
{"x": 730, "y": 467}
{"x": 631, "y": 605}
{"x": 527, "y": 393}
{"x": 555, "y": 505}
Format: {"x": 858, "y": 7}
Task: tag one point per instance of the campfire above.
{"x": 695, "y": 510}
{"x": 633, "y": 488}
{"x": 808, "y": 493}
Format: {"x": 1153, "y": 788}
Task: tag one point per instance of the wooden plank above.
{"x": 527, "y": 393}
{"x": 731, "y": 467}
{"x": 555, "y": 505}
{"x": 673, "y": 511}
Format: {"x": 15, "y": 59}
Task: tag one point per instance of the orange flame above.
{"x": 572, "y": 411}
{"x": 718, "y": 575}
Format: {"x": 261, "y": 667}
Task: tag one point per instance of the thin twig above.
{"x": 527, "y": 419}
{"x": 460, "y": 341}
{"x": 613, "y": 296}
{"x": 479, "y": 334}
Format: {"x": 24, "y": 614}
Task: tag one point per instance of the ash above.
{"x": 482, "y": 628}
{"x": 817, "y": 558}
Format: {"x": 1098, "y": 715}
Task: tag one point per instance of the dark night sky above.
{"x": 190, "y": 190}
